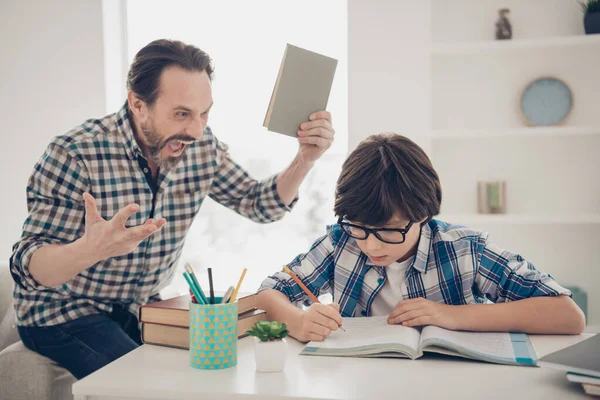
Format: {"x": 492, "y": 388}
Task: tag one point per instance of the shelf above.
{"x": 541, "y": 131}
{"x": 492, "y": 46}
{"x": 519, "y": 219}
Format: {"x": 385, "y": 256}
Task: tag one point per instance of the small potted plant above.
{"x": 269, "y": 345}
{"x": 591, "y": 19}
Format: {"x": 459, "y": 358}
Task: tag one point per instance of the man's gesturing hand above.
{"x": 111, "y": 238}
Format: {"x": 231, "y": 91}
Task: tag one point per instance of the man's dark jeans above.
{"x": 86, "y": 344}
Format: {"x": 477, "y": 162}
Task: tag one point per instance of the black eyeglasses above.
{"x": 386, "y": 235}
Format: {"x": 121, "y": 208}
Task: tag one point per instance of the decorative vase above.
{"x": 269, "y": 356}
{"x": 591, "y": 23}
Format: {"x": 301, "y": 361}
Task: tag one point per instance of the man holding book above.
{"x": 111, "y": 201}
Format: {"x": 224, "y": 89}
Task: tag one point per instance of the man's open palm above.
{"x": 112, "y": 238}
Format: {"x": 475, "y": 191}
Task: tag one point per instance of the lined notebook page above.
{"x": 495, "y": 344}
{"x": 369, "y": 331}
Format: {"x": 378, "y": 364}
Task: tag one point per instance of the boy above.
{"x": 388, "y": 256}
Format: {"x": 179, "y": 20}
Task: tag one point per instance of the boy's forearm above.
{"x": 279, "y": 308}
{"x": 543, "y": 315}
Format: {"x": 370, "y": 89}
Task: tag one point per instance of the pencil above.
{"x": 210, "y": 283}
{"x": 194, "y": 279}
{"x": 237, "y": 288}
{"x": 308, "y": 292}
{"x": 193, "y": 288}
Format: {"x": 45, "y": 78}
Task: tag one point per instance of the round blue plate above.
{"x": 546, "y": 101}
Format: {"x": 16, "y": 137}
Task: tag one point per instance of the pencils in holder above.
{"x": 211, "y": 287}
{"x": 303, "y": 286}
{"x": 192, "y": 274}
{"x": 237, "y": 288}
{"x": 193, "y": 287}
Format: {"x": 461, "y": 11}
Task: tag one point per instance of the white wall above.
{"x": 52, "y": 79}
{"x": 389, "y": 82}
{"x": 396, "y": 83}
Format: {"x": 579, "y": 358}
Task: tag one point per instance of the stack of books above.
{"x": 581, "y": 361}
{"x": 166, "y": 323}
{"x": 591, "y": 384}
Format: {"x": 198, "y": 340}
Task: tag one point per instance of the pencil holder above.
{"x": 213, "y": 335}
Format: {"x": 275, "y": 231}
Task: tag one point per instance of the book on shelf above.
{"x": 374, "y": 337}
{"x": 302, "y": 87}
{"x": 179, "y": 337}
{"x": 175, "y": 311}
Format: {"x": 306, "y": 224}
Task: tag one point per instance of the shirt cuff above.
{"x": 22, "y": 268}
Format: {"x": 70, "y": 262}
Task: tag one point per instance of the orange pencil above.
{"x": 308, "y": 292}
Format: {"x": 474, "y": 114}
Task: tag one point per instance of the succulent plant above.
{"x": 267, "y": 331}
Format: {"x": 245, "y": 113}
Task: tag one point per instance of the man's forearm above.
{"x": 54, "y": 264}
{"x": 549, "y": 315}
{"x": 288, "y": 182}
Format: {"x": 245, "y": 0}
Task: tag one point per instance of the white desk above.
{"x": 152, "y": 372}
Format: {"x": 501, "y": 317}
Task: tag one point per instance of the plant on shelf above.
{"x": 269, "y": 345}
{"x": 591, "y": 19}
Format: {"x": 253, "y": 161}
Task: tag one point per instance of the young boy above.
{"x": 387, "y": 256}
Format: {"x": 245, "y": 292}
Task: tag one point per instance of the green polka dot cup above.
{"x": 213, "y": 335}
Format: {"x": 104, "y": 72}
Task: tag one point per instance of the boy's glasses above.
{"x": 386, "y": 235}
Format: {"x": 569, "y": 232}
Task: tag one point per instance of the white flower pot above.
{"x": 269, "y": 356}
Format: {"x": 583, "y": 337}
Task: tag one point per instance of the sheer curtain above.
{"x": 246, "y": 40}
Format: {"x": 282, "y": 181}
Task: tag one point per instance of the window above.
{"x": 246, "y": 40}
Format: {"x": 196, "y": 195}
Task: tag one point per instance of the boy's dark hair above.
{"x": 387, "y": 174}
{"x": 147, "y": 66}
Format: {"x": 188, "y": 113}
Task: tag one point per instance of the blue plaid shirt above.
{"x": 102, "y": 157}
{"x": 453, "y": 265}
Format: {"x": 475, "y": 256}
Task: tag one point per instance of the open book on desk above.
{"x": 374, "y": 337}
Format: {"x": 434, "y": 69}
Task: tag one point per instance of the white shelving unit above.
{"x": 487, "y": 46}
{"x": 522, "y": 219}
{"x": 515, "y": 132}
{"x": 477, "y": 132}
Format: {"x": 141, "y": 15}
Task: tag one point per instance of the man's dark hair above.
{"x": 387, "y": 174}
{"x": 147, "y": 66}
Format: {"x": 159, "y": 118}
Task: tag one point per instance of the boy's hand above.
{"x": 318, "y": 322}
{"x": 420, "y": 311}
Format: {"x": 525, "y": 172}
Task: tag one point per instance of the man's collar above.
{"x": 124, "y": 125}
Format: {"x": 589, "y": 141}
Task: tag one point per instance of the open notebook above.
{"x": 374, "y": 337}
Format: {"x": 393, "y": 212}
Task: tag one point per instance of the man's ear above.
{"x": 137, "y": 106}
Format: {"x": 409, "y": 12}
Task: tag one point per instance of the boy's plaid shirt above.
{"x": 453, "y": 265}
{"x": 101, "y": 157}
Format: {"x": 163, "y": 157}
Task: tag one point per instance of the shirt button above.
{"x": 146, "y": 170}
{"x": 364, "y": 313}
{"x": 380, "y": 281}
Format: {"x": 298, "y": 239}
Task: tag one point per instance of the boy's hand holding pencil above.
{"x": 320, "y": 319}
{"x": 318, "y": 322}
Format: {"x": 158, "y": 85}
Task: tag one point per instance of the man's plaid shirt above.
{"x": 101, "y": 157}
{"x": 453, "y": 265}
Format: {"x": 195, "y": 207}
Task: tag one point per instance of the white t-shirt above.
{"x": 393, "y": 290}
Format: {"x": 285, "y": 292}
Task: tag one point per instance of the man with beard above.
{"x": 111, "y": 201}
